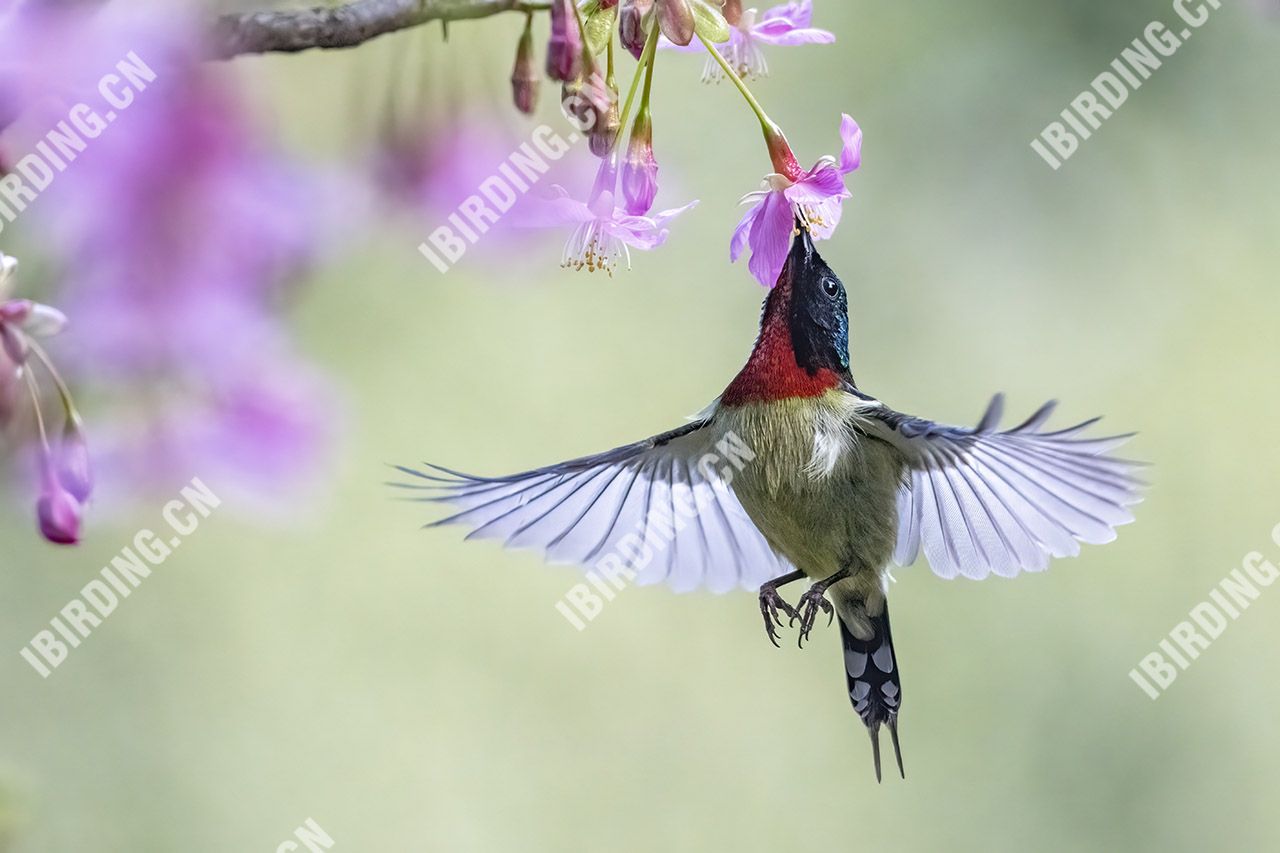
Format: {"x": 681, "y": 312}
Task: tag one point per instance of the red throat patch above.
{"x": 772, "y": 372}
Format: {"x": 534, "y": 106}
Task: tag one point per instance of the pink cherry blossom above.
{"x": 604, "y": 233}
{"x": 640, "y": 167}
{"x": 784, "y": 25}
{"x": 812, "y": 198}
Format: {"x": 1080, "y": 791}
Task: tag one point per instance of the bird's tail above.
{"x": 872, "y": 671}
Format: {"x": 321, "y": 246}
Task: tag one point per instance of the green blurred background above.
{"x": 410, "y": 692}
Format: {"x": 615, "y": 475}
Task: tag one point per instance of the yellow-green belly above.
{"x": 825, "y": 510}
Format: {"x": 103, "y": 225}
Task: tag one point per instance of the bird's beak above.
{"x": 803, "y": 255}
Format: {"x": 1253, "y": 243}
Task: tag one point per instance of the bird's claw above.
{"x": 770, "y": 603}
{"x": 807, "y": 608}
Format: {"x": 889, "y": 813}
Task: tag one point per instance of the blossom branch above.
{"x": 348, "y": 25}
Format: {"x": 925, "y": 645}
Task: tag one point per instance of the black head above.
{"x": 818, "y": 311}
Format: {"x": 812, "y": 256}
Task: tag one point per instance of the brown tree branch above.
{"x": 348, "y": 25}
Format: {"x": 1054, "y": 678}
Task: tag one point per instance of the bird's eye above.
{"x": 831, "y": 287}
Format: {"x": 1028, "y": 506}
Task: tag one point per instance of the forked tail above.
{"x": 872, "y": 670}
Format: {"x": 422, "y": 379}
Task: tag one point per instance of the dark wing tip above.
{"x": 991, "y": 417}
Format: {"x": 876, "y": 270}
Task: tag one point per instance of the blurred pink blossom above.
{"x": 177, "y": 231}
{"x": 65, "y": 479}
{"x": 427, "y": 167}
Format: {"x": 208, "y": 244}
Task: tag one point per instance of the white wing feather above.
{"x": 584, "y": 510}
{"x": 979, "y": 501}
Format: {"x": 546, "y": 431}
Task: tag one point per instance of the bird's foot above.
{"x": 814, "y": 600}
{"x": 771, "y": 601}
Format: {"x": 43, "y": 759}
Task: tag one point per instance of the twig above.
{"x": 348, "y": 25}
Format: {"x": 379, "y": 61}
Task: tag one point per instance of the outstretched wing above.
{"x": 658, "y": 507}
{"x": 979, "y": 500}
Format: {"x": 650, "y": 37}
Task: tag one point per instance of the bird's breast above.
{"x": 823, "y": 495}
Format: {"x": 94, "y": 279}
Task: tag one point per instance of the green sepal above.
{"x": 709, "y": 23}
{"x": 599, "y": 29}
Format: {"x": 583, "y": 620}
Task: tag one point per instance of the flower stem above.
{"x": 610, "y": 80}
{"x": 68, "y": 405}
{"x": 648, "y": 83}
{"x": 784, "y": 162}
{"x": 646, "y": 62}
{"x": 35, "y": 407}
{"x": 765, "y": 121}
{"x": 582, "y": 34}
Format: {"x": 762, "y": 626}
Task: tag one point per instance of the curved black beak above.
{"x": 803, "y": 254}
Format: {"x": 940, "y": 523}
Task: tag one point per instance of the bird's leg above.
{"x": 812, "y": 601}
{"x": 771, "y": 602}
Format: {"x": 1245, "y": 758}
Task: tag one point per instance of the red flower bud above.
{"x": 605, "y": 131}
{"x": 784, "y": 161}
{"x": 675, "y": 18}
{"x": 587, "y": 102}
{"x": 640, "y": 168}
{"x": 524, "y": 76}
{"x": 631, "y": 25}
{"x": 564, "y": 50}
{"x": 57, "y": 510}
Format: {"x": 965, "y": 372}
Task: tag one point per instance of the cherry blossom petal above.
{"x": 644, "y": 234}
{"x": 667, "y": 215}
{"x": 44, "y": 321}
{"x": 797, "y": 13}
{"x": 742, "y": 233}
{"x": 557, "y": 209}
{"x": 640, "y": 185}
{"x": 771, "y": 238}
{"x": 851, "y": 155}
{"x": 821, "y": 183}
{"x": 7, "y": 266}
{"x": 665, "y": 43}
{"x": 784, "y": 36}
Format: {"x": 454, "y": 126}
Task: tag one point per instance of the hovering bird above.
{"x": 838, "y": 488}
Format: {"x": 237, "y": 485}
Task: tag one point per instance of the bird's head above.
{"x": 803, "y": 347}
{"x": 817, "y": 310}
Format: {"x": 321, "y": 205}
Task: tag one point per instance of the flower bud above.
{"x": 639, "y": 168}
{"x": 780, "y": 154}
{"x": 73, "y": 469}
{"x": 605, "y": 131}
{"x": 586, "y": 101}
{"x": 564, "y": 50}
{"x": 631, "y": 25}
{"x": 57, "y": 510}
{"x": 732, "y": 11}
{"x": 524, "y": 77}
{"x": 675, "y": 18}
